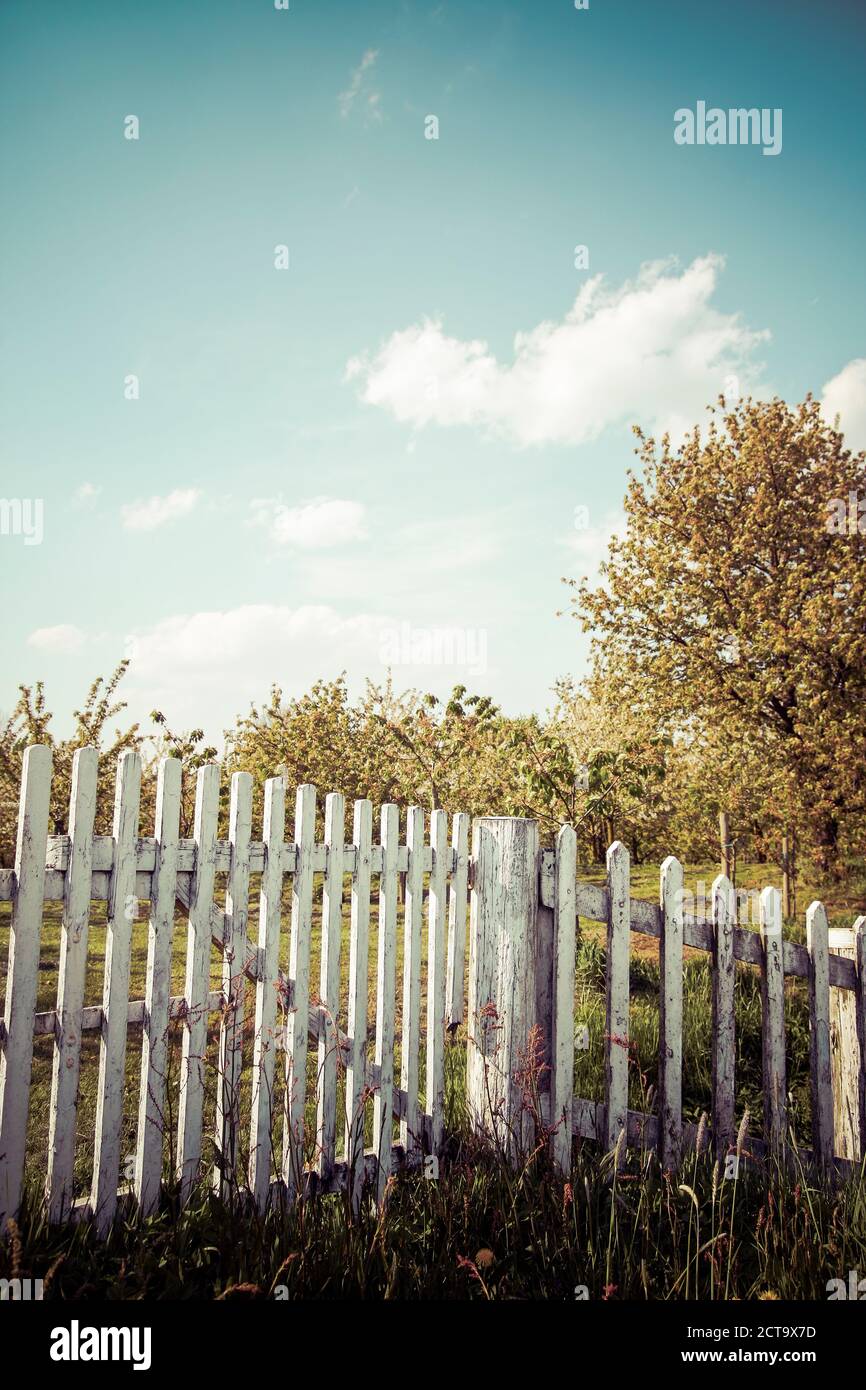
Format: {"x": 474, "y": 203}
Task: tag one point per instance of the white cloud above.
{"x": 653, "y": 351}
{"x": 158, "y": 511}
{"x": 372, "y": 99}
{"x": 845, "y": 395}
{"x": 65, "y": 638}
{"x": 316, "y": 525}
{"x": 87, "y": 493}
{"x": 205, "y": 668}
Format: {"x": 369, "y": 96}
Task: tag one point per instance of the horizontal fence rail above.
{"x": 280, "y": 1072}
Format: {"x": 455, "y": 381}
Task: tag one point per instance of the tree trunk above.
{"x": 827, "y": 845}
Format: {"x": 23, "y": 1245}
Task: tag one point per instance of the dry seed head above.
{"x": 743, "y": 1132}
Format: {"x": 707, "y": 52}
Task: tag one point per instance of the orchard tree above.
{"x": 192, "y": 752}
{"x": 737, "y": 602}
{"x": 30, "y": 723}
{"x": 443, "y": 752}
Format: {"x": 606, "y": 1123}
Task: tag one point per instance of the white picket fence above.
{"x": 523, "y": 913}
{"x": 289, "y": 1011}
{"x": 832, "y": 962}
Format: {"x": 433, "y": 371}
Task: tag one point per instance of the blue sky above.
{"x": 357, "y": 456}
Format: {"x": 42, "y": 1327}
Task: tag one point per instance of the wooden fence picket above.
{"x": 410, "y": 1124}
{"x": 817, "y": 944}
{"x": 329, "y": 984}
{"x": 196, "y": 991}
{"x": 859, "y": 935}
{"x": 564, "y": 950}
{"x": 70, "y": 985}
{"x": 437, "y": 906}
{"x": 122, "y": 911}
{"x": 155, "y": 1039}
{"x": 386, "y": 983}
{"x": 773, "y": 1019}
{"x": 458, "y": 906}
{"x": 297, "y": 1023}
{"x": 25, "y": 935}
{"x": 235, "y": 948}
{"x": 723, "y": 1020}
{"x": 267, "y": 990}
{"x": 617, "y": 995}
{"x": 671, "y": 1014}
{"x": 359, "y": 947}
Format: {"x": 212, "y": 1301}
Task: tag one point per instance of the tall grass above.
{"x": 483, "y": 1230}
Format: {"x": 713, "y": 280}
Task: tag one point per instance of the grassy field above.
{"x": 477, "y": 1196}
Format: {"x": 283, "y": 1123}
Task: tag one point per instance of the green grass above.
{"x": 484, "y": 1230}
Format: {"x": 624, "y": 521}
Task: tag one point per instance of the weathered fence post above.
{"x": 848, "y": 1045}
{"x": 503, "y": 941}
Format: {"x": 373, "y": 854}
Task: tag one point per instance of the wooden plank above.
{"x": 57, "y": 860}
{"x": 860, "y": 1027}
{"x": 299, "y": 973}
{"x": 723, "y": 1024}
{"x": 562, "y": 1042}
{"x": 773, "y": 1020}
{"x": 817, "y": 944}
{"x": 329, "y": 985}
{"x": 22, "y": 973}
{"x": 503, "y": 934}
{"x": 671, "y": 1014}
{"x": 458, "y": 903}
{"x": 115, "y": 995}
{"x": 46, "y": 1025}
{"x": 386, "y": 983}
{"x": 235, "y": 951}
{"x": 359, "y": 946}
{"x": 155, "y": 1039}
{"x": 198, "y": 948}
{"x": 846, "y": 1054}
{"x": 410, "y": 1125}
{"x": 267, "y": 992}
{"x": 617, "y": 994}
{"x": 437, "y": 906}
{"x": 70, "y": 987}
{"x": 540, "y": 1052}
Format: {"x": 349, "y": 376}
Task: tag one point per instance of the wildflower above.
{"x": 485, "y": 1258}
{"x": 567, "y": 1197}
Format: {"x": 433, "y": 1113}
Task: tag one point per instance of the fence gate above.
{"x": 338, "y": 1077}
